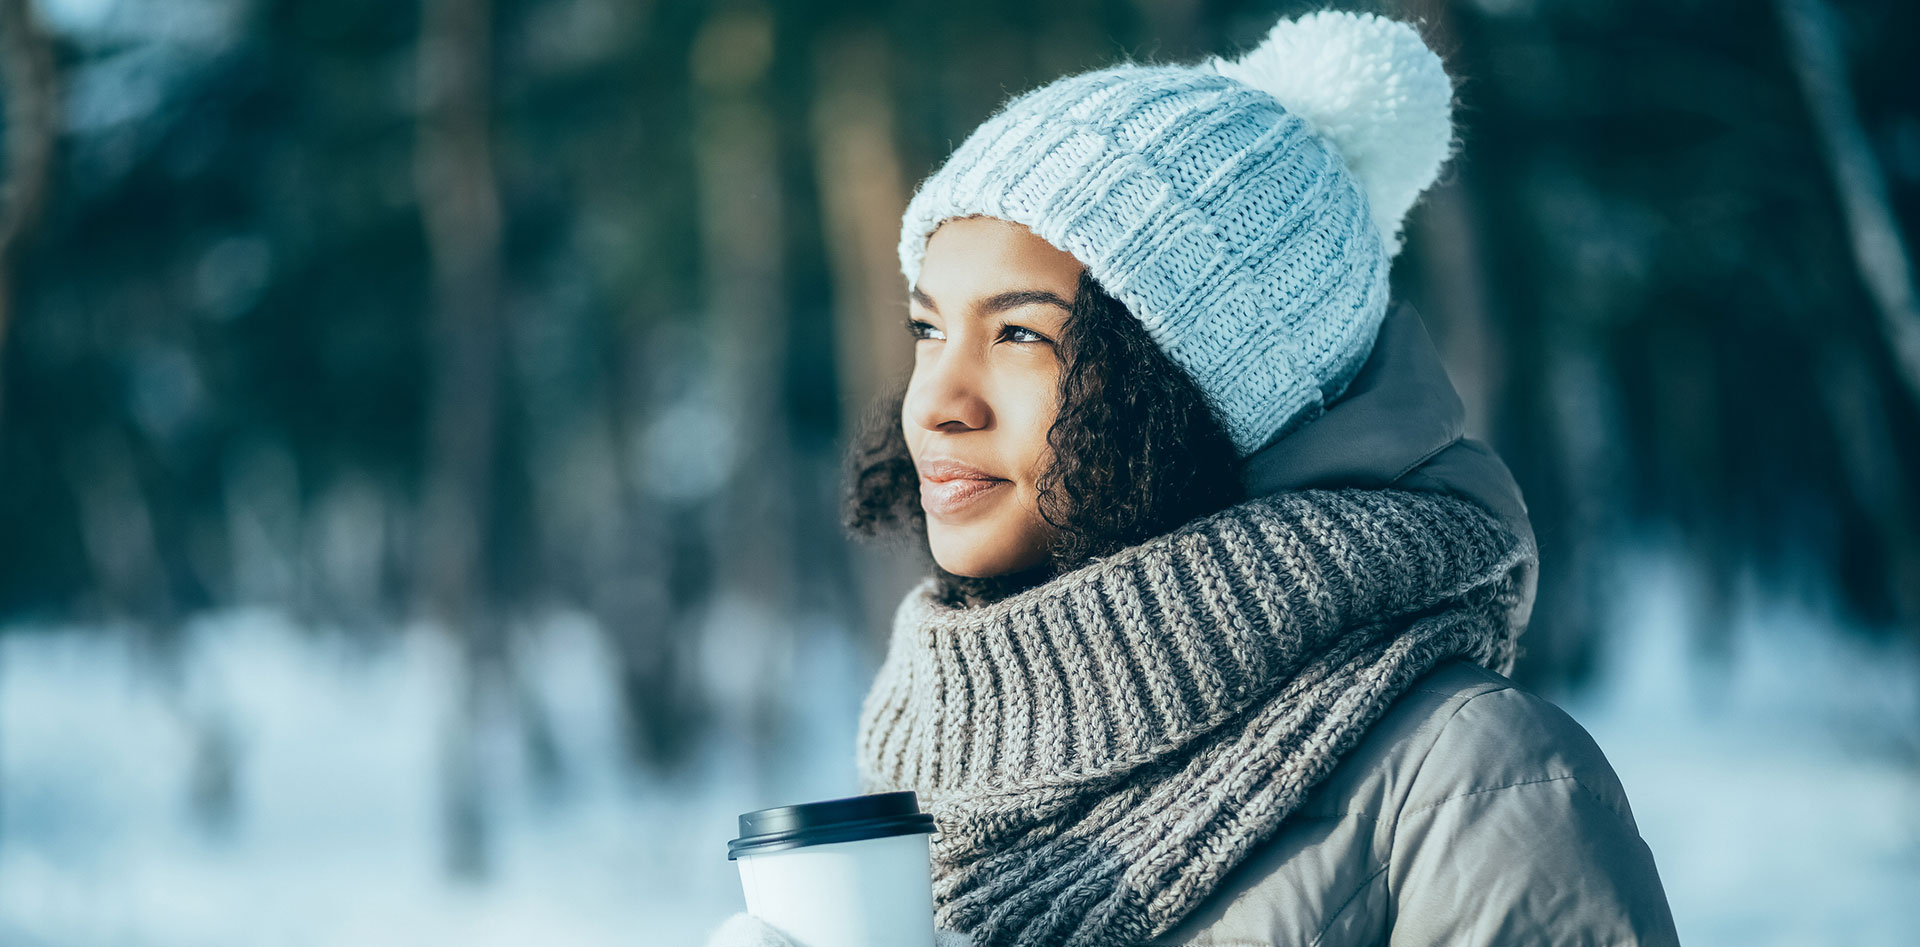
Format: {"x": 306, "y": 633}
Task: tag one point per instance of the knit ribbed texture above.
{"x": 1100, "y": 750}
{"x": 1231, "y": 230}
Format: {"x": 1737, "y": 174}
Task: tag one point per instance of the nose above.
{"x": 945, "y": 394}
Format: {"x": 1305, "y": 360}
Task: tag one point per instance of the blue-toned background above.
{"x": 420, "y": 430}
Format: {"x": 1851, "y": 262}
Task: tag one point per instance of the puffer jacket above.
{"x": 1473, "y": 812}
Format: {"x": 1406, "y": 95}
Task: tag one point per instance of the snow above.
{"x": 337, "y": 835}
{"x": 1777, "y": 784}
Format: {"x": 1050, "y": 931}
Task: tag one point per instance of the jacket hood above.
{"x": 1400, "y": 423}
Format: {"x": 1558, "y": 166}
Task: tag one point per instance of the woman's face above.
{"x": 990, "y": 304}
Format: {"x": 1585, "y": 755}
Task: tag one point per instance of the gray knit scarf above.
{"x": 1100, "y": 750}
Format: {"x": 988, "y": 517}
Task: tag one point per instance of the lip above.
{"x": 949, "y": 486}
{"x": 951, "y": 497}
{"x": 941, "y": 469}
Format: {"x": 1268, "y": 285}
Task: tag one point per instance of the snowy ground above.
{"x": 1780, "y": 789}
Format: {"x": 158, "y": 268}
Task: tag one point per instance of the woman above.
{"x": 1221, "y": 599}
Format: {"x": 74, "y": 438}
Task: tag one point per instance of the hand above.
{"x": 745, "y": 930}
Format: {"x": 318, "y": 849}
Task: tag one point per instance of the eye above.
{"x": 923, "y": 330}
{"x": 1015, "y": 333}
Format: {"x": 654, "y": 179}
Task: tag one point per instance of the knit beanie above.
{"x": 1245, "y": 211}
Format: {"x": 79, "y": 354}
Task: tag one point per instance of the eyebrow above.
{"x": 1001, "y": 302}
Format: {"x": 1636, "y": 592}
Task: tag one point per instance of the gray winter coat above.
{"x": 1473, "y": 812}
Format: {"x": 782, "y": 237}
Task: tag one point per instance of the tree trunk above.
{"x": 459, "y": 203}
{"x": 745, "y": 295}
{"x": 26, "y": 141}
{"x": 863, "y": 191}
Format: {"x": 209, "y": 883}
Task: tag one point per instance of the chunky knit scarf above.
{"x": 1099, "y": 750}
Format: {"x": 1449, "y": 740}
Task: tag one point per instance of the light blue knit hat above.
{"x": 1245, "y": 211}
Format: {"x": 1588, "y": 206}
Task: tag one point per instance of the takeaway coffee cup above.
{"x": 850, "y": 872}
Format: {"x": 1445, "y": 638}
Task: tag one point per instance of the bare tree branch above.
{"x": 1813, "y": 45}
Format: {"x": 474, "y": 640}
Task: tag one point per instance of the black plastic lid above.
{"x": 875, "y": 815}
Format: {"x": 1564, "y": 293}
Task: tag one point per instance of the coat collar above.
{"x": 1399, "y": 423}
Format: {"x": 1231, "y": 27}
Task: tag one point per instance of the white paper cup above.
{"x": 850, "y": 872}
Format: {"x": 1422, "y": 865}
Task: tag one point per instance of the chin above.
{"x": 965, "y": 560}
{"x": 978, "y": 551}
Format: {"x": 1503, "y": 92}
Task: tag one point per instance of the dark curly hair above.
{"x": 1136, "y": 451}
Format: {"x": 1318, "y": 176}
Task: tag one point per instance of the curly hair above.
{"x": 1135, "y": 450}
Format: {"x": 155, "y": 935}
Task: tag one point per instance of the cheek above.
{"x": 1030, "y": 424}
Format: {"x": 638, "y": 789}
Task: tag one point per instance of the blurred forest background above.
{"x": 505, "y": 329}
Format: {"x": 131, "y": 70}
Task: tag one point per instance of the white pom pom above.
{"x": 1370, "y": 86}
